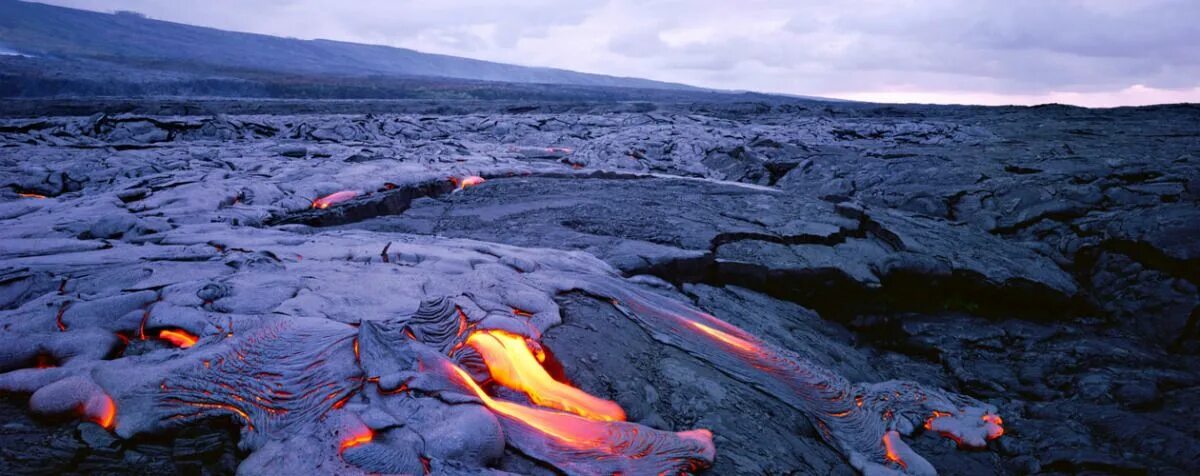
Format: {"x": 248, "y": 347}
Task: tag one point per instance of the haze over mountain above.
{"x": 56, "y": 51}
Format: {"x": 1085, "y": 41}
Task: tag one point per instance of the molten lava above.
{"x": 179, "y": 338}
{"x": 333, "y": 198}
{"x": 726, "y": 338}
{"x": 31, "y": 195}
{"x": 469, "y": 181}
{"x": 995, "y": 426}
{"x": 58, "y": 319}
{"x": 929, "y": 421}
{"x": 513, "y": 365}
{"x": 964, "y": 430}
{"x": 568, "y": 429}
{"x": 44, "y": 361}
{"x": 108, "y": 413}
{"x": 889, "y": 446}
{"x": 363, "y": 437}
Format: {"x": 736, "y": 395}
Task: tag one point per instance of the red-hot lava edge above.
{"x": 324, "y": 202}
{"x": 350, "y": 392}
{"x": 864, "y": 421}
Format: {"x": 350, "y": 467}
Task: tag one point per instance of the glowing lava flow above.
{"x": 889, "y": 444}
{"x": 577, "y": 445}
{"x": 857, "y": 419}
{"x": 469, "y": 181}
{"x": 513, "y": 365}
{"x": 338, "y": 197}
{"x": 726, "y": 338}
{"x": 566, "y": 428}
{"x": 179, "y": 338}
{"x": 31, "y": 195}
{"x": 361, "y": 438}
{"x": 995, "y": 426}
{"x": 101, "y": 410}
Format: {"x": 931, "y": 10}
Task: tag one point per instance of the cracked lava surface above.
{"x": 482, "y": 306}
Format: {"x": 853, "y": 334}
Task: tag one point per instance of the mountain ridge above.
{"x": 69, "y": 52}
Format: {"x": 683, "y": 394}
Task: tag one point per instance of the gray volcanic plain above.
{"x": 739, "y": 287}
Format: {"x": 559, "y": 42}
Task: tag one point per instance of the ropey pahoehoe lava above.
{"x": 347, "y": 390}
{"x": 683, "y": 290}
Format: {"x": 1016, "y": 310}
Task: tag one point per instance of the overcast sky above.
{"x": 1091, "y": 53}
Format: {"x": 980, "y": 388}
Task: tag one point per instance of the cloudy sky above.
{"x": 1085, "y": 52}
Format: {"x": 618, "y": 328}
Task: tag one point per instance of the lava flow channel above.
{"x": 513, "y": 365}
{"x": 333, "y": 198}
{"x": 469, "y": 181}
{"x": 853, "y": 418}
{"x": 178, "y": 337}
{"x": 578, "y": 445}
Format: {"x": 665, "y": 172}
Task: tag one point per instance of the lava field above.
{"x": 623, "y": 288}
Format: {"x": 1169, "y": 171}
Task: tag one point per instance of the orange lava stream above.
{"x": 565, "y": 427}
{"x": 465, "y": 182}
{"x": 225, "y": 407}
{"x": 726, "y": 338}
{"x": 179, "y": 338}
{"x": 996, "y": 429}
{"x": 108, "y": 414}
{"x": 31, "y": 195}
{"x": 337, "y": 197}
{"x": 513, "y": 365}
{"x": 358, "y": 439}
{"x": 890, "y": 449}
{"x": 929, "y": 421}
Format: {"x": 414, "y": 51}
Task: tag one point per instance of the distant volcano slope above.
{"x": 54, "y": 51}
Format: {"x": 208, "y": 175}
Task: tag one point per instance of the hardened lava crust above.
{"x": 573, "y": 288}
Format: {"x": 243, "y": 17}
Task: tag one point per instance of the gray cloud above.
{"x": 1097, "y": 52}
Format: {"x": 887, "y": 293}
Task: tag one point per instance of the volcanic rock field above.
{"x": 620, "y": 288}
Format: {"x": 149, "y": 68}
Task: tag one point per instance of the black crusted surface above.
{"x": 1042, "y": 260}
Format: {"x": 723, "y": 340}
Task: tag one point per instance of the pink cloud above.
{"x": 1135, "y": 95}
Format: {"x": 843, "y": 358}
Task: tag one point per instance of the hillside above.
{"x": 68, "y": 52}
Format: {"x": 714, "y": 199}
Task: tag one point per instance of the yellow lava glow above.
{"x": 725, "y": 338}
{"x": 567, "y": 428}
{"x": 513, "y": 365}
{"x": 109, "y": 414}
{"x": 470, "y": 181}
{"x": 889, "y": 448}
{"x": 359, "y": 439}
{"x": 179, "y": 338}
{"x": 324, "y": 202}
{"x": 995, "y": 426}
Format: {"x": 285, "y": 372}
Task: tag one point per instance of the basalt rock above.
{"x": 598, "y": 289}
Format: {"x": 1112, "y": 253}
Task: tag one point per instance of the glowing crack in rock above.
{"x": 407, "y": 391}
